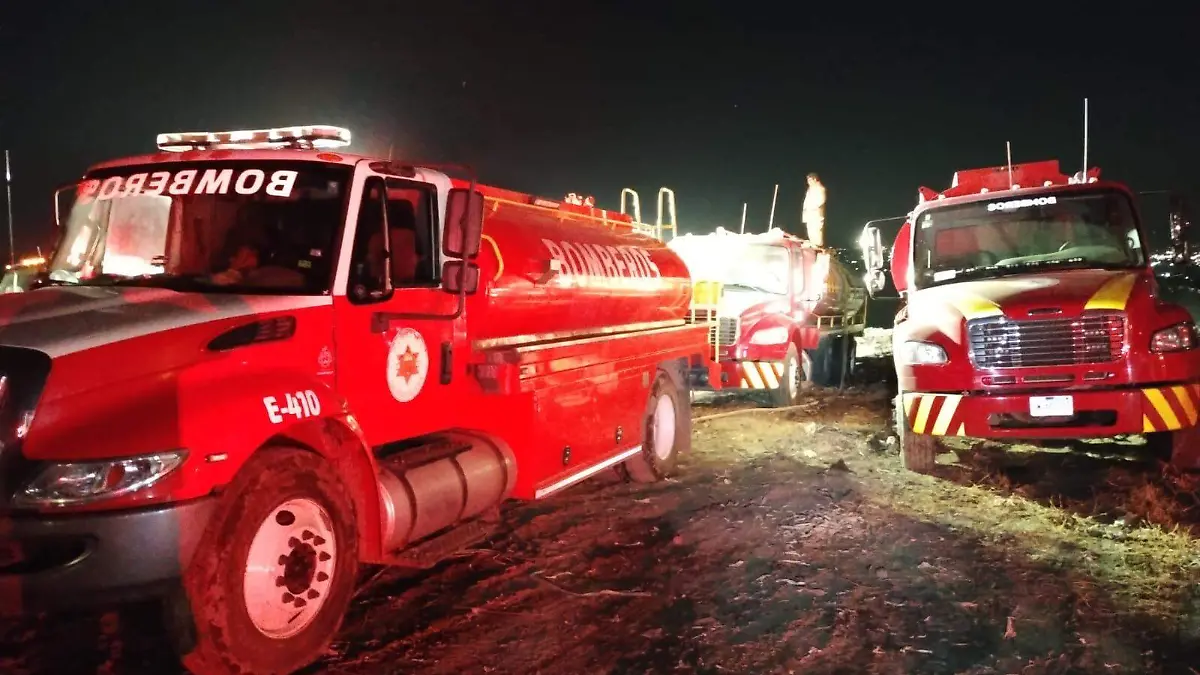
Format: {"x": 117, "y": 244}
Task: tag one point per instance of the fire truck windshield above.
{"x": 761, "y": 268}
{"x": 1093, "y": 229}
{"x": 214, "y": 226}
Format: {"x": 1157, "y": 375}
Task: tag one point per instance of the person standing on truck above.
{"x": 813, "y": 213}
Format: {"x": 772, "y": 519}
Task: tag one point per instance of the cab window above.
{"x": 394, "y": 239}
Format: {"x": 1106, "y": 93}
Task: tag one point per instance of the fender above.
{"x": 251, "y": 409}
{"x": 221, "y": 418}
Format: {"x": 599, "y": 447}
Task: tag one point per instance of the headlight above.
{"x": 82, "y": 482}
{"x": 1177, "y": 338}
{"x": 922, "y": 353}
{"x": 770, "y": 336}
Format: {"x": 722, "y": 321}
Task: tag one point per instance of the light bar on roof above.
{"x": 317, "y": 136}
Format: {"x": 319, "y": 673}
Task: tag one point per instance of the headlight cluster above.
{"x": 917, "y": 353}
{"x": 72, "y": 483}
{"x": 1177, "y": 338}
{"x": 774, "y": 335}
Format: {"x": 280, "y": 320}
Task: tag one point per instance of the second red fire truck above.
{"x": 256, "y": 362}
{"x": 1030, "y": 311}
{"x": 783, "y": 313}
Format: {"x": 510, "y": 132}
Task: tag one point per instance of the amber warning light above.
{"x": 321, "y": 137}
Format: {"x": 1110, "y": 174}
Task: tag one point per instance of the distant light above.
{"x": 320, "y": 137}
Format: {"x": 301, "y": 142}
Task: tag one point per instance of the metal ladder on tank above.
{"x": 666, "y": 198}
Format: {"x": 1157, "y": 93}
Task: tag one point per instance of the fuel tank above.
{"x": 431, "y": 488}
{"x": 552, "y": 272}
{"x": 844, "y": 291}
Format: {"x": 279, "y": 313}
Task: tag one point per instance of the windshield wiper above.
{"x": 751, "y": 288}
{"x": 1023, "y": 267}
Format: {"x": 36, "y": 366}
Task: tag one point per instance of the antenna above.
{"x": 743, "y": 231}
{"x": 1008, "y": 149}
{"x": 771, "y": 220}
{"x": 12, "y": 249}
{"x": 1085, "y": 138}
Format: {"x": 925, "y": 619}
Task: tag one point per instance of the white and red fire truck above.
{"x": 257, "y": 361}
{"x": 782, "y": 313}
{"x": 1030, "y": 311}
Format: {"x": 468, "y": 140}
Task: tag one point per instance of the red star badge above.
{"x": 406, "y": 365}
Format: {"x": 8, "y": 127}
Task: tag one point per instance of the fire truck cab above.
{"x": 1030, "y": 311}
{"x": 256, "y": 361}
{"x": 782, "y": 313}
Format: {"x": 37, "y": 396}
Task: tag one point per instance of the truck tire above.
{"x": 828, "y": 359}
{"x": 918, "y": 452}
{"x": 1180, "y": 448}
{"x": 274, "y": 572}
{"x": 667, "y": 431}
{"x": 792, "y": 383}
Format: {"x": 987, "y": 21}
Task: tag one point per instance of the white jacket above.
{"x": 814, "y": 204}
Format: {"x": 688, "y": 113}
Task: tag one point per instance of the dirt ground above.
{"x": 789, "y": 542}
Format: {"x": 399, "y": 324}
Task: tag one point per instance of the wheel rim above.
{"x": 794, "y": 374}
{"x": 289, "y": 569}
{"x": 663, "y": 430}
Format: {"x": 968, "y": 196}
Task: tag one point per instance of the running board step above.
{"x": 430, "y": 552}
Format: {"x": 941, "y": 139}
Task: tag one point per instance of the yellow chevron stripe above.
{"x": 1113, "y": 294}
{"x": 1185, "y": 402}
{"x": 1147, "y": 425}
{"x": 923, "y": 414}
{"x": 975, "y": 307}
{"x": 778, "y": 368}
{"x": 962, "y": 429}
{"x": 752, "y": 375}
{"x": 908, "y": 403}
{"x": 946, "y": 414}
{"x": 768, "y": 375}
{"x": 1163, "y": 408}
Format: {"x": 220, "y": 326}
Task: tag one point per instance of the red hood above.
{"x": 69, "y": 319}
{"x": 1070, "y": 292}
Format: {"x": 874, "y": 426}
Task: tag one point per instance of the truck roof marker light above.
{"x": 312, "y": 137}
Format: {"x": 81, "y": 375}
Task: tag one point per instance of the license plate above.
{"x": 1051, "y": 406}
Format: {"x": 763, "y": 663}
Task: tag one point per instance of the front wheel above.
{"x": 918, "y": 452}
{"x": 793, "y": 380}
{"x": 1181, "y": 447}
{"x": 275, "y": 570}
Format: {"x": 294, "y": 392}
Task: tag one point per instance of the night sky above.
{"x": 717, "y": 100}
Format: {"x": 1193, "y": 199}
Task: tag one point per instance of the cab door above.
{"x": 393, "y": 336}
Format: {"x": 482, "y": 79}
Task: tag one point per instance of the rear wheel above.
{"x": 918, "y": 452}
{"x": 667, "y": 431}
{"x": 834, "y": 353}
{"x": 274, "y": 572}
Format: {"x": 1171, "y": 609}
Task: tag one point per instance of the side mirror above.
{"x": 65, "y": 196}
{"x": 875, "y": 281}
{"x": 1181, "y": 224}
{"x": 901, "y": 255}
{"x": 460, "y": 276}
{"x": 463, "y": 232}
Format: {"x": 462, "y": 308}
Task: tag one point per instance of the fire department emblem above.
{"x": 407, "y": 365}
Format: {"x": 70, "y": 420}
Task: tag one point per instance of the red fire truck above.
{"x": 1030, "y": 311}
{"x": 782, "y": 312}
{"x": 257, "y": 361}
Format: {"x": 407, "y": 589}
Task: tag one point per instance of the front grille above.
{"x": 1000, "y": 342}
{"x": 723, "y": 332}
